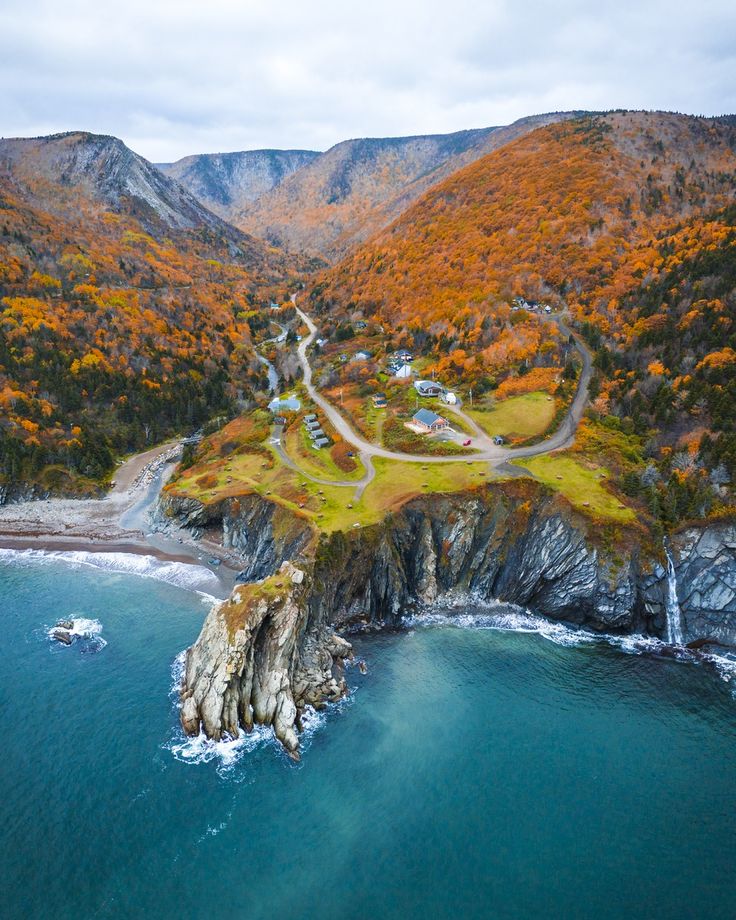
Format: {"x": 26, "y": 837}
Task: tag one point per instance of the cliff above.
{"x": 259, "y": 658}
{"x": 261, "y": 533}
{"x": 279, "y": 650}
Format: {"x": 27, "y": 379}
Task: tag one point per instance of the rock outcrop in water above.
{"x": 259, "y": 659}
{"x": 273, "y": 648}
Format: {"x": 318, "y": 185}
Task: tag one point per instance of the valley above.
{"x": 437, "y": 359}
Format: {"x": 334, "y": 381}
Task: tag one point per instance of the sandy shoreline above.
{"x": 117, "y": 523}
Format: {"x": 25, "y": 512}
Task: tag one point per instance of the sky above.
{"x": 176, "y": 78}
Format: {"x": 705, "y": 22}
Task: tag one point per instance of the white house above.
{"x": 404, "y": 372}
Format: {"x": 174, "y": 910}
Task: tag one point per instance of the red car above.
{"x": 466, "y": 443}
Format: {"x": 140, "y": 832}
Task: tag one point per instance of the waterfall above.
{"x": 672, "y": 604}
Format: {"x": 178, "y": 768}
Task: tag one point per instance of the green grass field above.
{"x": 582, "y": 486}
{"x": 516, "y": 418}
{"x": 317, "y": 463}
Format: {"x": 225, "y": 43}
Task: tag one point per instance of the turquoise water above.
{"x": 473, "y": 773}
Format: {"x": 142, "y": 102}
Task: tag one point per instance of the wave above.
{"x": 182, "y": 574}
{"x": 509, "y": 618}
{"x": 503, "y": 617}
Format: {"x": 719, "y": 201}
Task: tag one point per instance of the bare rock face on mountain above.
{"x": 62, "y": 171}
{"x": 227, "y": 183}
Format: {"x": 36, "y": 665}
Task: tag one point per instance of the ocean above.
{"x": 486, "y": 766}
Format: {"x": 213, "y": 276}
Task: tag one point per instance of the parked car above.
{"x": 467, "y": 443}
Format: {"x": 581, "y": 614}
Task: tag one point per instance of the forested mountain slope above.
{"x": 359, "y": 186}
{"x": 557, "y": 213}
{"x": 626, "y": 219}
{"x": 126, "y": 309}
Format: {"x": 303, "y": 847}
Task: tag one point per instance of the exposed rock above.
{"x": 259, "y": 660}
{"x": 259, "y": 531}
{"x": 226, "y": 182}
{"x": 61, "y": 635}
{"x": 486, "y": 545}
{"x": 272, "y": 648}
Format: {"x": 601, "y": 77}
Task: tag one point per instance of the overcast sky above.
{"x": 173, "y": 78}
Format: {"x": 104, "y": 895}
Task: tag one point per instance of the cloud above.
{"x": 173, "y": 78}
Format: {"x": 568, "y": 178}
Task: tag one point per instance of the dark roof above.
{"x": 427, "y": 386}
{"x": 427, "y": 417}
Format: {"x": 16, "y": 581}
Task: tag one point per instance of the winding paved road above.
{"x": 489, "y": 452}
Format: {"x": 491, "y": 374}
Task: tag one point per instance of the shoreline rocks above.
{"x": 274, "y": 646}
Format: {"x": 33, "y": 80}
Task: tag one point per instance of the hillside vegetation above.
{"x": 625, "y": 219}
{"x": 122, "y": 319}
{"x": 356, "y": 188}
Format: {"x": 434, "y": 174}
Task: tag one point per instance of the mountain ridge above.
{"x": 226, "y": 182}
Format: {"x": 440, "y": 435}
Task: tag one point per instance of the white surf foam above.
{"x": 508, "y": 618}
{"x": 82, "y": 628}
{"x": 229, "y": 752}
{"x": 503, "y": 617}
{"x": 182, "y": 574}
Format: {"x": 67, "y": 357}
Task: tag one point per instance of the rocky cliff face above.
{"x": 227, "y": 182}
{"x": 260, "y": 532}
{"x": 705, "y": 583}
{"x": 260, "y": 659}
{"x": 490, "y": 545}
{"x": 101, "y": 169}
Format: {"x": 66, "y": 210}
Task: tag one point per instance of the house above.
{"x": 547, "y": 308}
{"x": 320, "y": 443}
{"x": 361, "y": 324}
{"x": 321, "y": 342}
{"x": 313, "y": 426}
{"x": 428, "y": 388}
{"x": 498, "y": 439}
{"x": 429, "y": 421}
{"x": 316, "y": 433}
{"x": 449, "y": 398}
{"x": 312, "y": 417}
{"x": 403, "y": 356}
{"x": 379, "y": 400}
{"x": 403, "y": 372}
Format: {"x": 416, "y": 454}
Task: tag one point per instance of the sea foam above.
{"x": 83, "y": 628}
{"x": 510, "y": 618}
{"x": 182, "y": 574}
